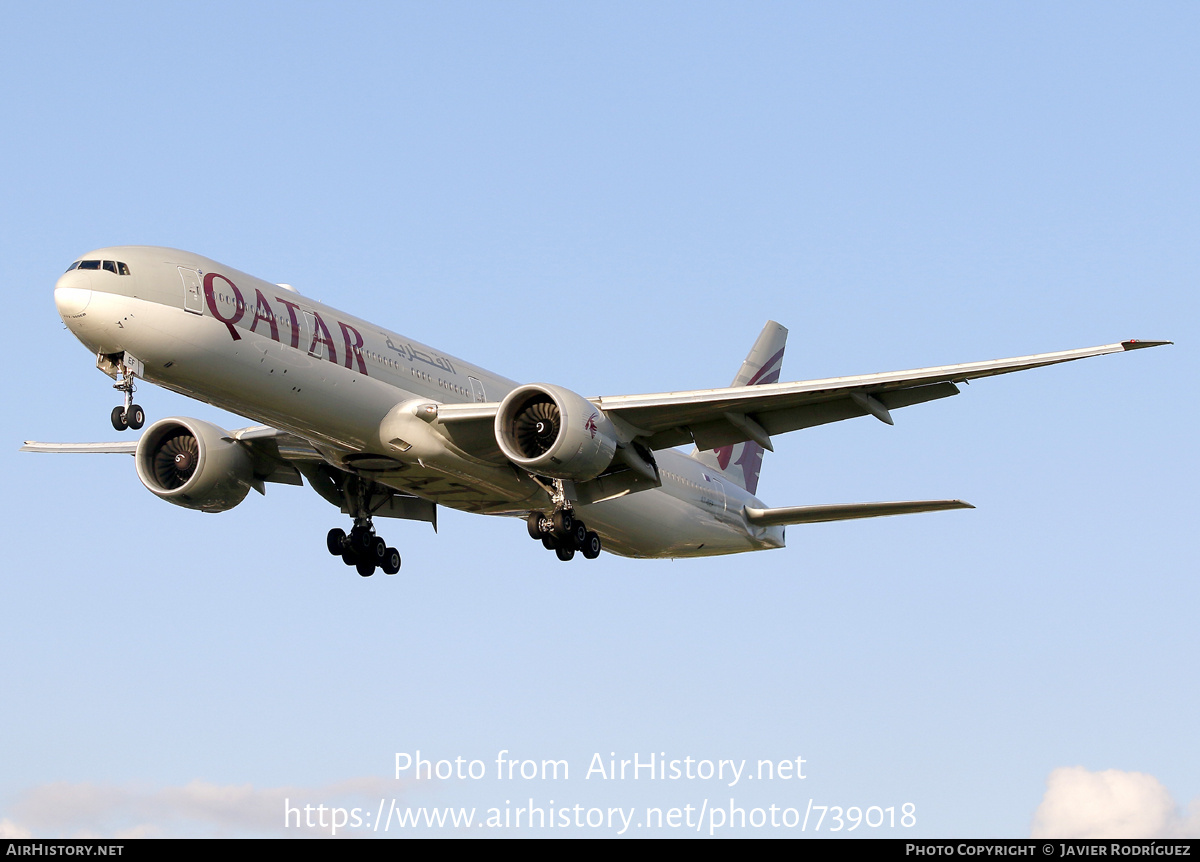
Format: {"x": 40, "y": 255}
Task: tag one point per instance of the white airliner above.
{"x": 383, "y": 426}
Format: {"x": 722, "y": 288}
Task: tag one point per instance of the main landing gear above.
{"x": 129, "y": 415}
{"x": 362, "y": 548}
{"x": 564, "y": 534}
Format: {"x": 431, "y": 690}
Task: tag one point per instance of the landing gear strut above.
{"x": 362, "y": 548}
{"x": 561, "y": 531}
{"x": 129, "y": 415}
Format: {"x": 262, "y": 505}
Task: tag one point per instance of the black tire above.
{"x": 336, "y": 541}
{"x": 565, "y": 554}
{"x": 362, "y": 539}
{"x": 591, "y": 546}
{"x": 350, "y": 557}
{"x": 366, "y": 568}
{"x": 564, "y": 522}
{"x": 118, "y": 419}
{"x": 549, "y": 543}
{"x": 379, "y": 550}
{"x": 391, "y": 562}
{"x": 534, "y": 523}
{"x": 136, "y": 417}
{"x": 579, "y": 535}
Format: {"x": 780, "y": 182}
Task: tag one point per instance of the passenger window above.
{"x": 111, "y": 266}
{"x": 89, "y": 264}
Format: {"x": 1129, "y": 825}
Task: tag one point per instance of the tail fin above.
{"x": 742, "y": 462}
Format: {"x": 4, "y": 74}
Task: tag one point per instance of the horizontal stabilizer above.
{"x": 845, "y": 511}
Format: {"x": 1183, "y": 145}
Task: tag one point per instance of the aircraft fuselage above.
{"x": 266, "y": 352}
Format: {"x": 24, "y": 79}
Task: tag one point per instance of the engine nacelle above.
{"x": 551, "y": 431}
{"x": 194, "y": 464}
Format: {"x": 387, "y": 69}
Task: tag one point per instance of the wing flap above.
{"x": 780, "y": 420}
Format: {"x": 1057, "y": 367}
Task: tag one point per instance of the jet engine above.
{"x": 553, "y": 432}
{"x": 194, "y": 464}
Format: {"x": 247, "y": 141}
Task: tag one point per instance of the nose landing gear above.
{"x": 129, "y": 415}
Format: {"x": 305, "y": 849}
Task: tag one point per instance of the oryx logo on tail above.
{"x": 742, "y": 462}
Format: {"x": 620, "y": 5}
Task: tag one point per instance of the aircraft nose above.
{"x": 72, "y": 293}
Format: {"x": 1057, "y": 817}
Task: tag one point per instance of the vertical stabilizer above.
{"x": 742, "y": 462}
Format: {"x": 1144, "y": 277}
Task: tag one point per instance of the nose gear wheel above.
{"x": 127, "y": 415}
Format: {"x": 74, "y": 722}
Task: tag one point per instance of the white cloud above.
{"x": 8, "y": 829}
{"x": 197, "y": 809}
{"x": 1111, "y": 804}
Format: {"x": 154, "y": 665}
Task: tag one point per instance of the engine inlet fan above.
{"x": 176, "y": 460}
{"x": 536, "y": 427}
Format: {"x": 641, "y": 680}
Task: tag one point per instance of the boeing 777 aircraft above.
{"x": 384, "y": 426}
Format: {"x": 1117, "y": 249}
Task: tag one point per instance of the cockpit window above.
{"x": 116, "y": 267}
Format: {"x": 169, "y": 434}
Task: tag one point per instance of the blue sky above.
{"x": 615, "y": 198}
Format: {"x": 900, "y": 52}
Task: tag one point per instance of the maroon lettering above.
{"x": 292, "y": 307}
{"x": 321, "y": 336}
{"x": 211, "y": 299}
{"x": 262, "y": 311}
{"x": 353, "y": 350}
